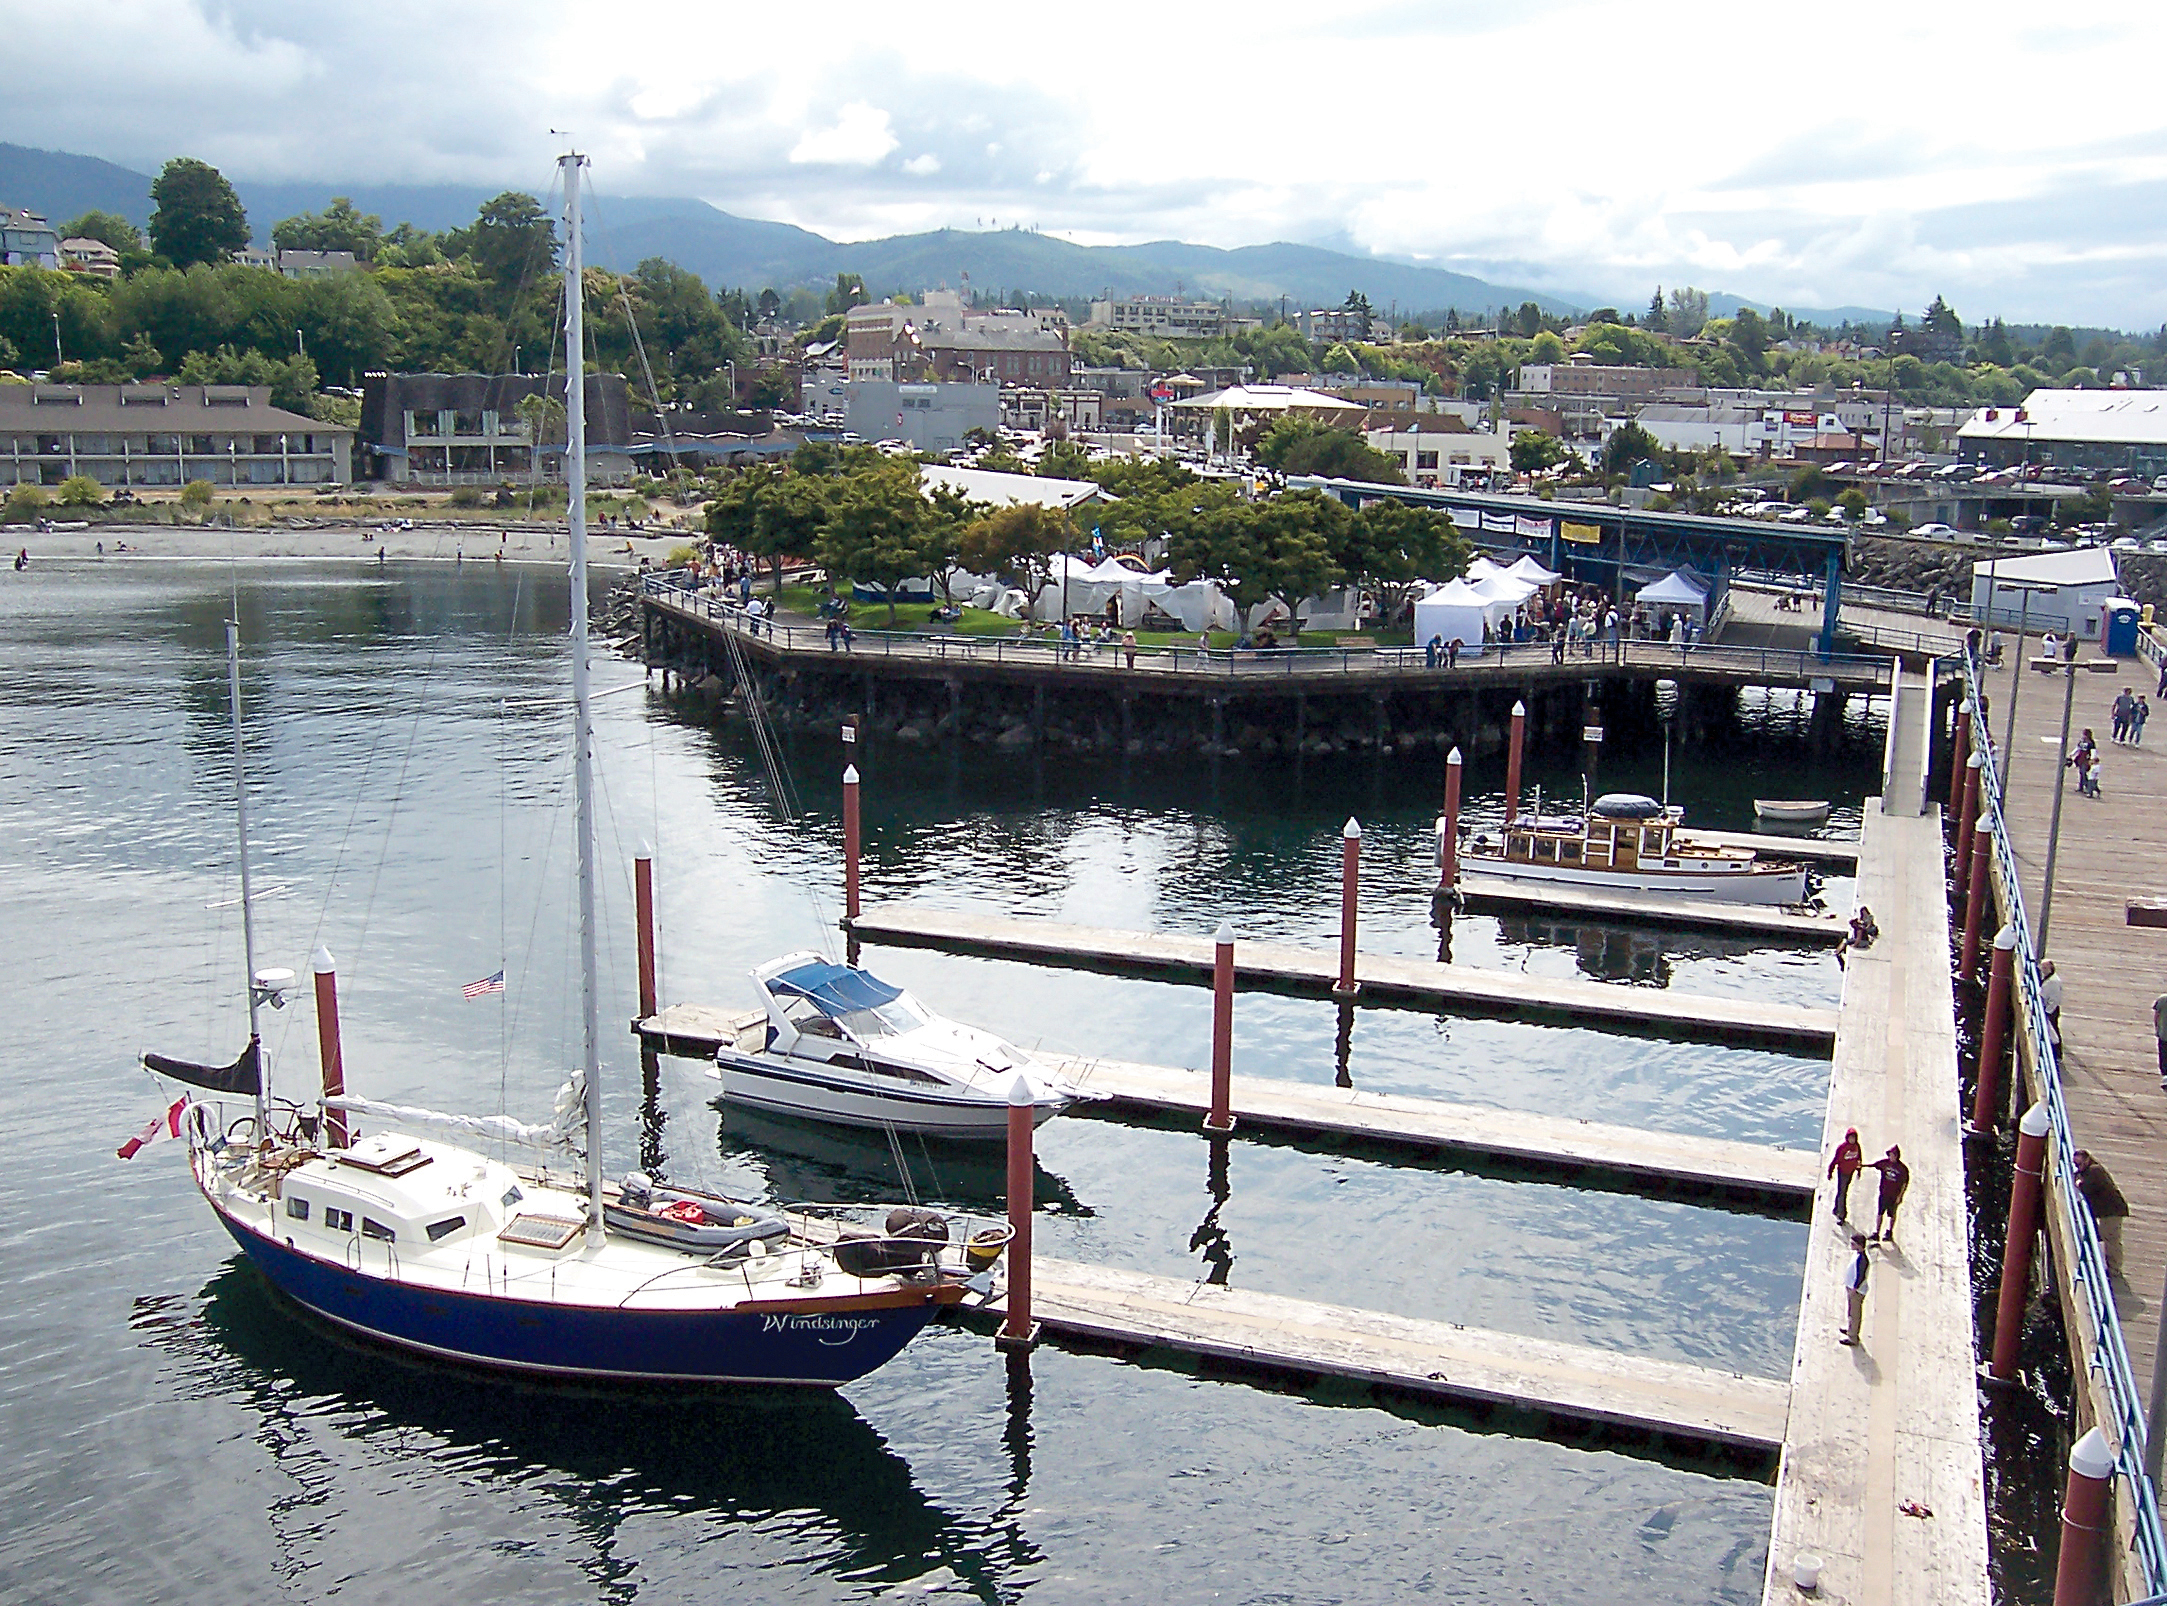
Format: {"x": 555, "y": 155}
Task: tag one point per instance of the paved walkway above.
{"x": 1883, "y": 1432}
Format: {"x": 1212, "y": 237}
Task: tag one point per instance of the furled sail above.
{"x": 244, "y": 1075}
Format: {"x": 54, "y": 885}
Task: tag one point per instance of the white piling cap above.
{"x": 1352, "y": 830}
{"x": 320, "y": 962}
{"x": 1020, "y": 1094}
{"x": 1453, "y": 757}
{"x": 850, "y": 775}
{"x": 1964, "y": 707}
{"x": 1977, "y": 760}
{"x": 647, "y": 850}
{"x": 1519, "y": 709}
{"x": 2091, "y": 1458}
{"x": 2006, "y": 938}
{"x": 1224, "y": 937}
{"x": 2035, "y": 1122}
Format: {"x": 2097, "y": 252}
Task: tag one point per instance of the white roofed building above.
{"x": 2057, "y": 591}
{"x": 2120, "y": 430}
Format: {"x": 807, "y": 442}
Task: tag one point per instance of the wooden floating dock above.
{"x": 1556, "y": 1143}
{"x": 1806, "y": 849}
{"x": 1383, "y": 979}
{"x": 1895, "y": 1420}
{"x": 1442, "y": 1360}
{"x": 1696, "y": 914}
{"x": 1552, "y": 1142}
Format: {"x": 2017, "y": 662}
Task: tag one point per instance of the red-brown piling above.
{"x": 2016, "y": 1254}
{"x": 851, "y": 841}
{"x": 1994, "y": 1033}
{"x": 1018, "y": 1331}
{"x": 643, "y": 907}
{"x": 1981, "y": 849}
{"x": 1512, "y": 762}
{"x": 1350, "y": 888}
{"x": 1448, "y": 841}
{"x": 1220, "y": 1118}
{"x": 2084, "y": 1521}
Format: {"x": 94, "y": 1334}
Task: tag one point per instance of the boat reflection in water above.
{"x": 804, "y": 1159}
{"x": 1640, "y": 956}
{"x": 739, "y": 1459}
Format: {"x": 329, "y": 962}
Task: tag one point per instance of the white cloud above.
{"x": 861, "y": 136}
{"x": 1713, "y": 144}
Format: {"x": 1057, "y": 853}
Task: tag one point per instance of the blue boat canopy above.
{"x": 835, "y": 989}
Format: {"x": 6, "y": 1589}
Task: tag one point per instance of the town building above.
{"x": 1033, "y": 357}
{"x": 2118, "y": 431}
{"x": 1334, "y": 323}
{"x": 1035, "y": 408}
{"x": 94, "y": 257}
{"x": 488, "y": 429}
{"x": 1583, "y": 377}
{"x": 1168, "y": 318}
{"x": 149, "y": 435}
{"x": 1438, "y": 449}
{"x": 2048, "y": 591}
{"x": 929, "y": 417}
{"x": 27, "y": 240}
{"x": 938, "y": 337}
{"x": 317, "y": 264}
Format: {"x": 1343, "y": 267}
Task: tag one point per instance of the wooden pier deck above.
{"x": 1782, "y": 1176}
{"x": 1831, "y": 851}
{"x": 2111, "y": 852}
{"x": 1383, "y": 978}
{"x": 1895, "y": 1420}
{"x": 1695, "y": 914}
{"x": 1442, "y": 1360}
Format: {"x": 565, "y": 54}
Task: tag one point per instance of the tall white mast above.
{"x": 575, "y": 480}
{"x": 248, "y": 907}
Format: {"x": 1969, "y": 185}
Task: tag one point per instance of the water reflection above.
{"x": 1210, "y": 1240}
{"x": 808, "y": 1161}
{"x": 603, "y": 1460}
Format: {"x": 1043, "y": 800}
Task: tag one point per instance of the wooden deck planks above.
{"x": 1811, "y": 849}
{"x": 1520, "y": 1135}
{"x": 1896, "y": 1419}
{"x": 1440, "y": 1359}
{"x": 1383, "y": 978}
{"x": 2112, "y": 850}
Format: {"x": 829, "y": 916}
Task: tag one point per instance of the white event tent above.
{"x": 1457, "y": 611}
{"x": 1675, "y": 593}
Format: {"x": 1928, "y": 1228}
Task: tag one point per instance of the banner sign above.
{"x": 1584, "y": 534}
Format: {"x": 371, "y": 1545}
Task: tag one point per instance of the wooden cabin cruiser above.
{"x": 836, "y": 1043}
{"x": 1628, "y": 844}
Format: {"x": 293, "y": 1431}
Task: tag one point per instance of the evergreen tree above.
{"x": 199, "y": 218}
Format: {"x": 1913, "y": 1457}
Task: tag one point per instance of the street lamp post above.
{"x": 58, "y": 359}
{"x": 2016, "y": 679}
{"x": 2068, "y": 667}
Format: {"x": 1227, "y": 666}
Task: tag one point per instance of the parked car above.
{"x": 1934, "y": 531}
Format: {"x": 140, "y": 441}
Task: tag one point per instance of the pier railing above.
{"x": 1854, "y": 671}
{"x": 2101, "y": 1326}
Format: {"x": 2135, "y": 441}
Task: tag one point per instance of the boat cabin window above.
{"x": 296, "y": 1207}
{"x": 372, "y": 1228}
{"x": 512, "y": 1196}
{"x": 807, "y": 1017}
{"x": 898, "y": 1015}
{"x": 338, "y": 1220}
{"x": 438, "y": 1231}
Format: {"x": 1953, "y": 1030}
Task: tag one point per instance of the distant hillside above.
{"x": 727, "y": 250}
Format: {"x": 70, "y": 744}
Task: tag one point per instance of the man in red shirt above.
{"x": 1849, "y": 1157}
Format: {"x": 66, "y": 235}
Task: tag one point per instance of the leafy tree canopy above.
{"x": 339, "y": 227}
{"x": 115, "y": 230}
{"x": 198, "y": 217}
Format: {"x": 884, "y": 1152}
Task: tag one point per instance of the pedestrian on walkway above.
{"x": 2109, "y": 1209}
{"x": 2050, "y": 998}
{"x": 2123, "y": 705}
{"x": 1854, "y": 1288}
{"x": 1895, "y": 1178}
{"x": 2137, "y": 717}
{"x": 2159, "y": 1030}
{"x": 1849, "y": 1157}
{"x": 1128, "y": 646}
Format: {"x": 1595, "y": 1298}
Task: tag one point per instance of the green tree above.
{"x": 197, "y": 495}
{"x": 1688, "y": 311}
{"x": 1854, "y": 504}
{"x": 198, "y": 217}
{"x": 115, "y": 230}
{"x": 1749, "y": 338}
{"x": 81, "y": 490}
{"x": 1278, "y": 548}
{"x": 1529, "y": 321}
{"x": 875, "y": 529}
{"x": 849, "y": 292}
{"x": 1655, "y": 318}
{"x": 949, "y": 513}
{"x": 1940, "y": 319}
{"x": 1340, "y": 359}
{"x": 1629, "y": 444}
{"x": 339, "y": 227}
{"x": 1533, "y": 451}
{"x": 1297, "y": 445}
{"x": 513, "y": 241}
{"x": 1391, "y": 546}
{"x": 1019, "y": 543}
{"x": 292, "y": 379}
{"x": 1064, "y": 460}
{"x": 1546, "y": 347}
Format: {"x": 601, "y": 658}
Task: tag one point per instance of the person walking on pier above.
{"x": 1849, "y": 1157}
{"x": 2123, "y": 705}
{"x": 1895, "y": 1178}
{"x": 2159, "y": 1030}
{"x": 2109, "y": 1209}
{"x": 1854, "y": 1288}
{"x": 2137, "y": 717}
{"x": 2050, "y": 998}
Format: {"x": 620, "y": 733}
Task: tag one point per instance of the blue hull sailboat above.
{"x": 544, "y": 1268}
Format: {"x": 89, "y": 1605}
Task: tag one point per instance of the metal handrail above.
{"x": 2095, "y": 1293}
{"x": 1247, "y": 663}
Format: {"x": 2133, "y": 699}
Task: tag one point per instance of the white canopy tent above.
{"x": 1676, "y": 593}
{"x": 1532, "y": 572}
{"x": 1457, "y": 611}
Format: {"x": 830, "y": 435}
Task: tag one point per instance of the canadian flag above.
{"x": 167, "y": 1125}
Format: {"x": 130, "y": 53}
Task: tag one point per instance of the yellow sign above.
{"x": 1583, "y": 534}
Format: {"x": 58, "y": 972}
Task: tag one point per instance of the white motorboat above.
{"x": 1791, "y": 811}
{"x": 1625, "y": 844}
{"x": 836, "y": 1043}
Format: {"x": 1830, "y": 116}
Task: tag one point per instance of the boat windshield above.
{"x": 900, "y": 1014}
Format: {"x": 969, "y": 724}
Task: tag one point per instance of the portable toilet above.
{"x": 2118, "y": 628}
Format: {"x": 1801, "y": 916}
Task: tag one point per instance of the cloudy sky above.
{"x": 2011, "y": 157}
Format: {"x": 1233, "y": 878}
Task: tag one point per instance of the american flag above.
{"x": 488, "y": 984}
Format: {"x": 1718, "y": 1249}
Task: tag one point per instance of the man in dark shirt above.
{"x": 2109, "y": 1209}
{"x": 1895, "y": 1178}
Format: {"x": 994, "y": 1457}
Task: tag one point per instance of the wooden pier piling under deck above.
{"x": 1383, "y": 978}
{"x": 1442, "y": 1360}
{"x": 1896, "y": 1419}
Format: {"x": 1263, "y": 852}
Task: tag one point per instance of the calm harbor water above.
{"x": 409, "y": 796}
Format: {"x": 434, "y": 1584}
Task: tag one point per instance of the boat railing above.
{"x": 1250, "y": 663}
{"x": 2099, "y": 1325}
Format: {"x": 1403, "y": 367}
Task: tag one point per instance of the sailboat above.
{"x": 547, "y": 1268}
